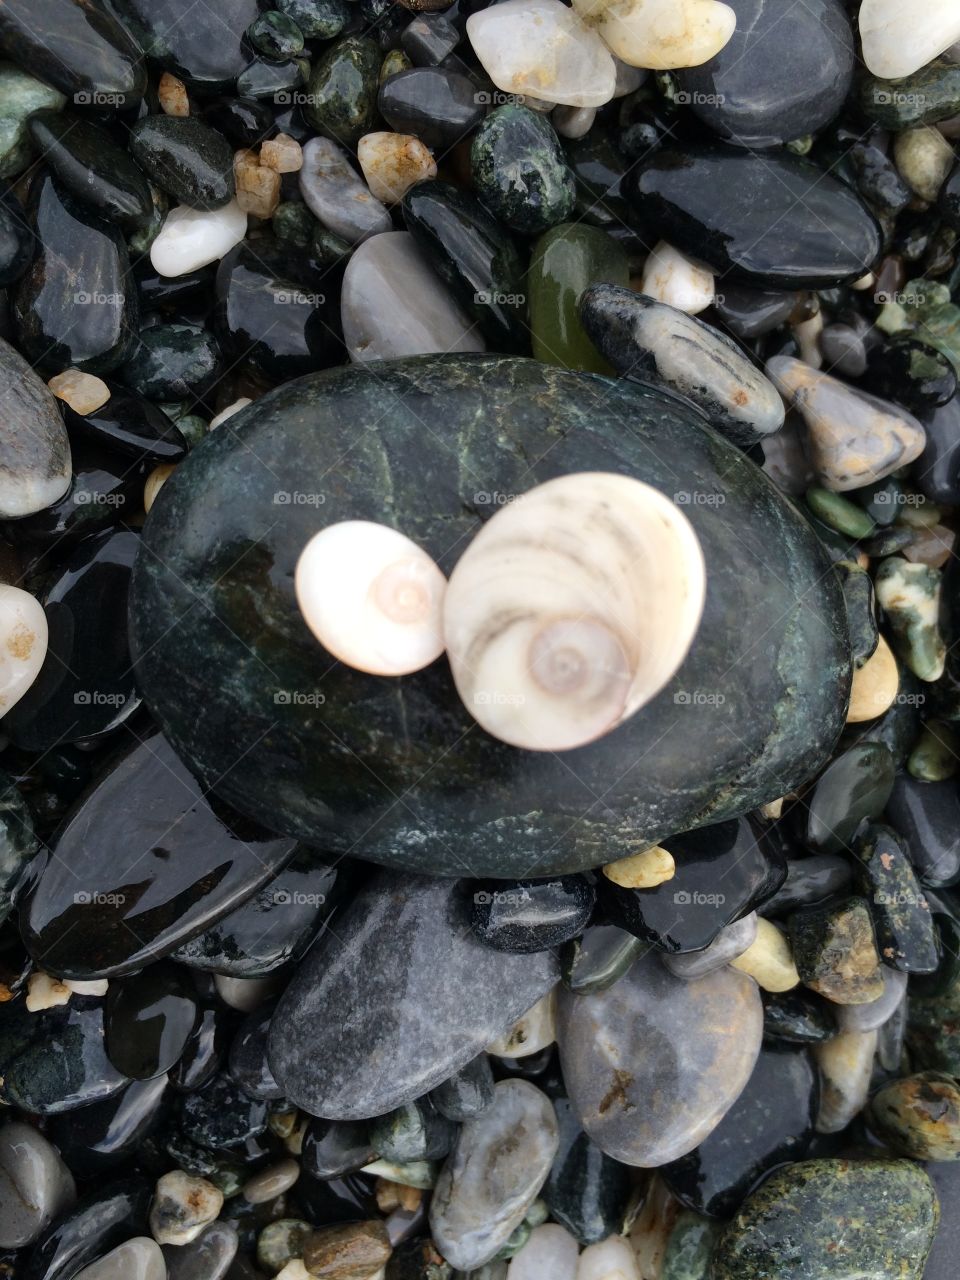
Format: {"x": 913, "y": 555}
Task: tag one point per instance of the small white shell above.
{"x": 372, "y": 597}
{"x": 572, "y": 608}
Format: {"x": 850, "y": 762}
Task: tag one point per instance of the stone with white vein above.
{"x": 899, "y": 38}
{"x": 541, "y": 49}
{"x": 661, "y": 34}
{"x": 193, "y": 238}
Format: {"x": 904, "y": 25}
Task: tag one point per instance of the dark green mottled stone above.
{"x": 275, "y": 36}
{"x": 933, "y": 1028}
{"x": 201, "y": 43}
{"x": 797, "y": 1017}
{"x": 343, "y": 90}
{"x": 901, "y": 913}
{"x": 857, "y": 785}
{"x": 587, "y": 1192}
{"x": 173, "y": 362}
{"x": 220, "y": 1115}
{"x": 919, "y": 1116}
{"x": 520, "y": 171}
{"x": 330, "y": 769}
{"x": 869, "y": 1219}
{"x": 317, "y": 19}
{"x": 930, "y": 94}
{"x": 861, "y": 610}
{"x": 93, "y": 168}
{"x": 18, "y": 843}
{"x": 20, "y": 96}
{"x": 835, "y": 951}
{"x": 293, "y": 224}
{"x": 690, "y": 1248}
{"x": 415, "y": 1131}
{"x": 188, "y": 159}
{"x": 55, "y": 1060}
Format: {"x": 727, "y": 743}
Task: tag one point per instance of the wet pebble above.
{"x": 35, "y": 1185}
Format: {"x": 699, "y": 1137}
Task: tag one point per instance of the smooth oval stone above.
{"x": 342, "y": 91}
{"x": 274, "y": 926}
{"x": 93, "y": 168}
{"x": 189, "y": 160}
{"x": 809, "y": 880}
{"x": 332, "y": 1148}
{"x": 147, "y": 1020}
{"x": 927, "y": 815}
{"x": 531, "y": 915}
{"x": 436, "y": 105}
{"x": 206, "y": 1258}
{"x": 752, "y": 95}
{"x": 938, "y": 469}
{"x": 202, "y": 45}
{"x": 801, "y": 228}
{"x": 35, "y": 1185}
{"x": 441, "y": 997}
{"x": 392, "y": 304}
{"x": 856, "y": 785}
{"x": 102, "y": 1219}
{"x": 501, "y": 1160}
{"x": 704, "y": 759}
{"x": 85, "y": 687}
{"x": 519, "y": 170}
{"x": 723, "y": 872}
{"x": 872, "y": 1219}
{"x": 897, "y": 42}
{"x": 103, "y": 907}
{"x": 173, "y": 362}
{"x": 586, "y": 1191}
{"x": 650, "y": 340}
{"x": 335, "y": 193}
{"x": 136, "y": 1259}
{"x": 474, "y": 256}
{"x": 54, "y": 1060}
{"x": 17, "y": 241}
{"x": 193, "y": 238}
{"x": 270, "y": 315}
{"x": 654, "y": 1063}
{"x": 906, "y": 938}
{"x": 35, "y": 464}
{"x": 872, "y": 1016}
{"x": 567, "y": 260}
{"x": 131, "y": 425}
{"x": 76, "y": 307}
{"x": 770, "y": 1124}
{"x": 81, "y": 50}
{"x": 467, "y": 1092}
{"x": 98, "y": 1137}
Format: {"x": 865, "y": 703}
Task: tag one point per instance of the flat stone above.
{"x": 203, "y": 46}
{"x": 54, "y": 1060}
{"x": 136, "y": 1259}
{"x": 35, "y": 1185}
{"x": 208, "y": 1257}
{"x": 436, "y": 105}
{"x": 334, "y": 192}
{"x": 729, "y": 944}
{"x": 35, "y": 465}
{"x": 654, "y": 1063}
{"x": 500, "y": 1162}
{"x": 897, "y": 43}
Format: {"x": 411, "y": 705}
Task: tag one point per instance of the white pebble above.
{"x": 541, "y": 49}
{"x": 229, "y": 411}
{"x": 182, "y": 1207}
{"x": 611, "y": 1259}
{"x": 95, "y": 987}
{"x": 661, "y": 34}
{"x": 193, "y": 238}
{"x": 45, "y": 992}
{"x": 23, "y": 644}
{"x": 670, "y": 277}
{"x": 394, "y": 162}
{"x": 899, "y": 38}
{"x": 294, "y": 1270}
{"x": 550, "y": 1251}
{"x": 136, "y": 1259}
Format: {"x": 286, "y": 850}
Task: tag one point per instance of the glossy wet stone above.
{"x": 586, "y": 1191}
{"x": 599, "y": 958}
{"x": 35, "y": 465}
{"x": 342, "y": 92}
{"x": 20, "y": 96}
{"x": 208, "y": 1257}
{"x": 650, "y": 340}
{"x": 96, "y": 1138}
{"x": 55, "y": 1060}
{"x": 93, "y": 168}
{"x": 354, "y": 1250}
{"x": 747, "y": 94}
{"x": 136, "y": 1259}
{"x": 189, "y": 160}
{"x": 272, "y": 927}
{"x": 809, "y": 880}
{"x": 919, "y": 1116}
{"x": 336, "y": 194}
{"x": 104, "y": 1218}
{"x": 797, "y": 1017}
{"x": 247, "y": 1061}
{"x": 439, "y": 999}
{"x": 147, "y": 1020}
{"x": 190, "y": 863}
{"x": 856, "y": 785}
{"x": 723, "y": 872}
{"x": 800, "y": 229}
{"x": 85, "y": 687}
{"x": 200, "y": 45}
{"x": 519, "y": 170}
{"x": 332, "y": 1148}
{"x": 927, "y": 815}
{"x": 871, "y": 1218}
{"x": 18, "y": 841}
{"x": 271, "y": 315}
{"x": 654, "y": 1063}
{"x": 731, "y": 942}
{"x": 76, "y": 306}
{"x": 567, "y": 260}
{"x": 300, "y": 431}
{"x": 221, "y": 1115}
{"x": 474, "y": 256}
{"x": 771, "y": 1123}
{"x": 173, "y": 362}
{"x": 436, "y": 105}
{"x": 912, "y": 373}
{"x": 80, "y": 50}
{"x": 901, "y": 913}
{"x": 861, "y": 609}
{"x": 35, "y": 1185}
{"x": 835, "y": 951}
{"x": 131, "y": 425}
{"x": 467, "y": 1092}
{"x": 938, "y": 470}
{"x": 415, "y": 1131}
{"x": 531, "y": 915}
{"x": 501, "y": 1161}
{"x": 909, "y": 595}
{"x": 846, "y": 1064}
{"x": 17, "y": 241}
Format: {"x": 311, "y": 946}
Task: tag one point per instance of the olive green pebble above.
{"x": 833, "y": 1220}
{"x": 342, "y": 91}
{"x": 275, "y": 36}
{"x": 839, "y": 513}
{"x": 328, "y": 248}
{"x": 919, "y": 1116}
{"x": 935, "y": 756}
{"x": 690, "y": 1247}
{"x": 293, "y": 224}
{"x": 282, "y": 1241}
{"x": 395, "y": 62}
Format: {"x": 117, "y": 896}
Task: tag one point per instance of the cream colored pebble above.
{"x": 83, "y": 392}
{"x": 769, "y": 959}
{"x": 155, "y": 482}
{"x": 875, "y": 685}
{"x": 643, "y": 870}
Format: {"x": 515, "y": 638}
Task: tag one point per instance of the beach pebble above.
{"x": 611, "y": 1259}
{"x": 898, "y": 39}
{"x": 392, "y": 163}
{"x": 182, "y": 1207}
{"x": 846, "y": 1065}
{"x": 549, "y": 1251}
{"x": 334, "y": 192}
{"x": 769, "y": 959}
{"x": 136, "y": 1259}
{"x": 193, "y": 238}
{"x": 23, "y": 643}
{"x": 670, "y": 277}
{"x": 661, "y": 34}
{"x": 35, "y": 1184}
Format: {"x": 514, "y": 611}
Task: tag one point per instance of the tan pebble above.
{"x": 294, "y": 1270}
{"x": 258, "y": 188}
{"x": 282, "y": 153}
{"x": 173, "y": 96}
{"x": 643, "y": 870}
{"x": 392, "y": 163}
{"x": 283, "y": 1123}
{"x": 81, "y": 391}
{"x": 933, "y": 546}
{"x": 350, "y": 1252}
{"x": 182, "y": 1207}
{"x": 294, "y": 1143}
{"x": 271, "y": 1182}
{"x": 410, "y": 1198}
{"x": 846, "y": 1065}
{"x": 769, "y": 959}
{"x": 875, "y": 685}
{"x": 155, "y": 482}
{"x": 45, "y": 992}
{"x": 387, "y": 1195}
{"x": 773, "y": 811}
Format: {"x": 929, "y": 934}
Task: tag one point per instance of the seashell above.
{"x": 23, "y": 644}
{"x": 372, "y": 597}
{"x": 572, "y": 608}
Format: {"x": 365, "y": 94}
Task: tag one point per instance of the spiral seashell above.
{"x": 571, "y": 608}
{"x": 372, "y": 597}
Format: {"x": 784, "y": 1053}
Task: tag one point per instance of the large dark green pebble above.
{"x": 93, "y": 168}
{"x": 901, "y": 913}
{"x": 343, "y": 90}
{"x": 519, "y": 170}
{"x": 188, "y": 159}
